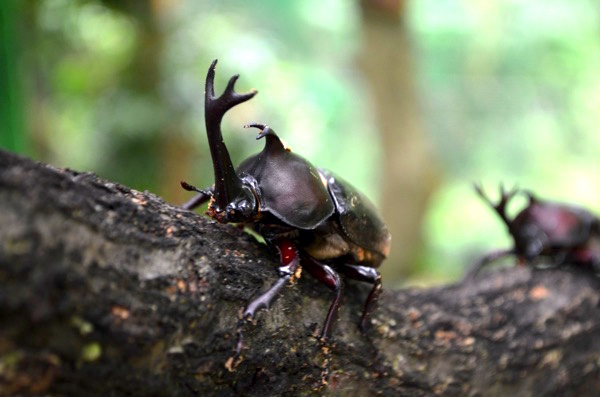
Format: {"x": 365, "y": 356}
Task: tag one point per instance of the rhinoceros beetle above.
{"x": 314, "y": 219}
{"x": 563, "y": 233}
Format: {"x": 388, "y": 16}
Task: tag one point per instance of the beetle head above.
{"x": 527, "y": 229}
{"x": 524, "y": 233}
{"x": 241, "y": 208}
{"x": 529, "y": 239}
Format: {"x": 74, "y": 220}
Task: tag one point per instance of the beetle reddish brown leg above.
{"x": 368, "y": 275}
{"x": 288, "y": 256}
{"x": 291, "y": 262}
{"x": 487, "y": 259}
{"x": 265, "y": 300}
{"x": 330, "y": 278}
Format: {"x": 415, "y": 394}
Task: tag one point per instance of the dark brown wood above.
{"x": 108, "y": 291}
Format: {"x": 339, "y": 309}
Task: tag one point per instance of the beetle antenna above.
{"x": 192, "y": 188}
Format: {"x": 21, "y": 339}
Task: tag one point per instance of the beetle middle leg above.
{"x": 330, "y": 278}
{"x": 368, "y": 275}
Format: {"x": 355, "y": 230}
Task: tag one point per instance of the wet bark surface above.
{"x": 108, "y": 291}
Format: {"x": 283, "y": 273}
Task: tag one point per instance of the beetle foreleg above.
{"x": 291, "y": 264}
{"x": 264, "y": 301}
{"x": 368, "y": 275}
{"x": 485, "y": 260}
{"x": 330, "y": 278}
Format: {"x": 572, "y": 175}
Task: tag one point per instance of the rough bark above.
{"x": 108, "y": 291}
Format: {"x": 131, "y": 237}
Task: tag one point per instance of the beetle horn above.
{"x": 500, "y": 208}
{"x": 531, "y": 197}
{"x": 273, "y": 141}
{"x": 227, "y": 183}
{"x": 264, "y": 129}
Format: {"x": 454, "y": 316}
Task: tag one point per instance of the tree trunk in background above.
{"x": 172, "y": 157}
{"x": 409, "y": 167}
{"x": 12, "y": 134}
{"x": 108, "y": 291}
{"x": 36, "y": 88}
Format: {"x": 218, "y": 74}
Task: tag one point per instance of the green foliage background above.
{"x": 510, "y": 92}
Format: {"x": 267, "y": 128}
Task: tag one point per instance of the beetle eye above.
{"x": 534, "y": 248}
{"x": 245, "y": 208}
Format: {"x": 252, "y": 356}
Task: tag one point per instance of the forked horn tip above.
{"x": 478, "y": 187}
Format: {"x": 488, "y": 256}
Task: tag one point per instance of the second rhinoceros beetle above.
{"x": 563, "y": 233}
{"x": 311, "y": 217}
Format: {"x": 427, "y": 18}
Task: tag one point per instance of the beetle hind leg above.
{"x": 330, "y": 278}
{"x": 369, "y": 275}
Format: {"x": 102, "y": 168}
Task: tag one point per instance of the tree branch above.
{"x": 104, "y": 289}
